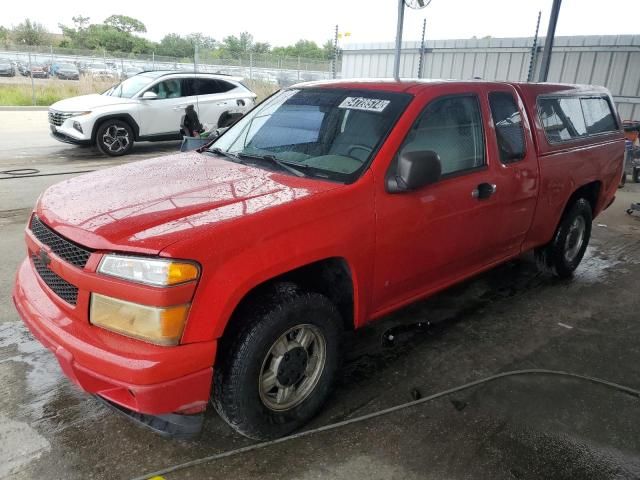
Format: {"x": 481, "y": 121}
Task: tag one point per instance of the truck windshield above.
{"x": 327, "y": 132}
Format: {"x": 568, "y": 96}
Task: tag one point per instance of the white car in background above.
{"x": 100, "y": 71}
{"x": 148, "y": 107}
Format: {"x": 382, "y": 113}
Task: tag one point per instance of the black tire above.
{"x": 562, "y": 255}
{"x": 114, "y": 138}
{"x": 636, "y": 175}
{"x": 245, "y": 350}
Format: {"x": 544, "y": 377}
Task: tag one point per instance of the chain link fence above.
{"x": 100, "y": 68}
{"x": 267, "y": 67}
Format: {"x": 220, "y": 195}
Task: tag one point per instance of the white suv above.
{"x": 148, "y": 107}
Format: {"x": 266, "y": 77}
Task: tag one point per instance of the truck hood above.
{"x": 87, "y": 102}
{"x": 147, "y": 205}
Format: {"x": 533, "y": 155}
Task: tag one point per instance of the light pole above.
{"x": 417, "y": 5}
{"x": 548, "y": 42}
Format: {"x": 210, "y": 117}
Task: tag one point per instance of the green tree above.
{"x": 260, "y": 47}
{"x": 236, "y": 46}
{"x": 173, "y": 45}
{"x": 30, "y": 33}
{"x": 204, "y": 42}
{"x": 113, "y": 35}
{"x": 4, "y": 36}
{"x": 125, "y": 24}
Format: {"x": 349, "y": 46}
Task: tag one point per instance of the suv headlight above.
{"x": 78, "y": 114}
{"x": 151, "y": 271}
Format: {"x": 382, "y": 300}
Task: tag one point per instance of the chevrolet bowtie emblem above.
{"x": 44, "y": 257}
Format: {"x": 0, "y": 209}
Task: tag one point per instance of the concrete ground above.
{"x": 525, "y": 427}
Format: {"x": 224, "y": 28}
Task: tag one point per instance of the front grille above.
{"x": 62, "y": 288}
{"x": 58, "y": 118}
{"x": 66, "y": 250}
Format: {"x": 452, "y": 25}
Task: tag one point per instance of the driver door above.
{"x": 432, "y": 237}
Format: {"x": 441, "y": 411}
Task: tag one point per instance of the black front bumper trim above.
{"x": 174, "y": 425}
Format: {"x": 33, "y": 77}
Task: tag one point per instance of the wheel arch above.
{"x": 125, "y": 117}
{"x": 332, "y": 277}
{"x": 591, "y": 192}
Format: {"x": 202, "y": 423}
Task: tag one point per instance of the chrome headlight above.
{"x": 151, "y": 271}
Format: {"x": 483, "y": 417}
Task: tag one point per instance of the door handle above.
{"x": 484, "y": 191}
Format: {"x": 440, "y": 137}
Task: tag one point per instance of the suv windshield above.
{"x": 330, "y": 133}
{"x": 130, "y": 86}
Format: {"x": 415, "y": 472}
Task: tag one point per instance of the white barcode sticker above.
{"x": 366, "y": 104}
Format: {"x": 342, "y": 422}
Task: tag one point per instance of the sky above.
{"x": 283, "y": 22}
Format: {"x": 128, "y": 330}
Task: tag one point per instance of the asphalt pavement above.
{"x": 511, "y": 318}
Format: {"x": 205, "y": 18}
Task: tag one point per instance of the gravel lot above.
{"x": 524, "y": 427}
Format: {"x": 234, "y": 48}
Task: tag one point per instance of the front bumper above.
{"x": 141, "y": 377}
{"x": 61, "y": 136}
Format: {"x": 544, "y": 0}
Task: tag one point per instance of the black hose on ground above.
{"x": 332, "y": 426}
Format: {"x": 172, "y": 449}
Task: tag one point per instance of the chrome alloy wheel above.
{"x": 575, "y": 238}
{"x": 292, "y": 367}
{"x": 115, "y": 139}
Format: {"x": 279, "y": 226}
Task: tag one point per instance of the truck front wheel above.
{"x": 276, "y": 370}
{"x": 563, "y": 255}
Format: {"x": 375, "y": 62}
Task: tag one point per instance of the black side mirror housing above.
{"x": 414, "y": 170}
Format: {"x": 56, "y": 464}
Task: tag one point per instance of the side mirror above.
{"x": 149, "y": 95}
{"x": 414, "y": 170}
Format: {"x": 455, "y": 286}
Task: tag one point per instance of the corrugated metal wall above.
{"x": 612, "y": 61}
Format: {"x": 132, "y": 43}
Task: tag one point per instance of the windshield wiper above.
{"x": 271, "y": 158}
{"x": 232, "y": 156}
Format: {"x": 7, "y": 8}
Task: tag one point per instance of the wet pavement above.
{"x": 511, "y": 318}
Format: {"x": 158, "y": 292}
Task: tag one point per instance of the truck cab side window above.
{"x": 508, "y": 124}
{"x": 452, "y": 127}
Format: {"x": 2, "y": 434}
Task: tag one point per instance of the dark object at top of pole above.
{"x": 548, "y": 43}
{"x": 534, "y": 50}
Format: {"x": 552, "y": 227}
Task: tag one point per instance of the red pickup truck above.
{"x": 228, "y": 275}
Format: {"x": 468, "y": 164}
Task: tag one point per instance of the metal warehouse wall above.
{"x": 612, "y": 61}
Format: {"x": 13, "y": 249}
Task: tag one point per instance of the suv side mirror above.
{"x": 149, "y": 95}
{"x": 414, "y": 170}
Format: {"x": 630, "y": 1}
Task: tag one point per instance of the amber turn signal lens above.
{"x": 162, "y": 326}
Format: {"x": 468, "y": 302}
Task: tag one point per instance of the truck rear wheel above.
{"x": 276, "y": 370}
{"x": 563, "y": 255}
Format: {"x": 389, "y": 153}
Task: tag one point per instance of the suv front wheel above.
{"x": 276, "y": 370}
{"x": 114, "y": 138}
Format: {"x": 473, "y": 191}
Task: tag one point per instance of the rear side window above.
{"x": 508, "y": 123}
{"x": 598, "y": 116}
{"x": 208, "y": 86}
{"x": 451, "y": 127}
{"x": 562, "y": 118}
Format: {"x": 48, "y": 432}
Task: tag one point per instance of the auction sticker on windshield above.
{"x": 367, "y": 104}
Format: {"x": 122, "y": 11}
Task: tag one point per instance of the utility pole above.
{"x": 33, "y": 89}
{"x": 334, "y": 65}
{"x": 195, "y": 57}
{"x": 421, "y": 60}
{"x": 548, "y": 43}
{"x": 396, "y": 61}
{"x": 534, "y": 50}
